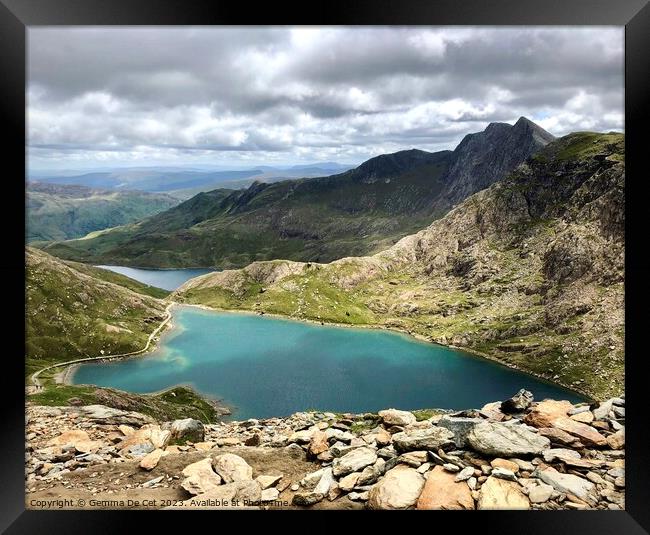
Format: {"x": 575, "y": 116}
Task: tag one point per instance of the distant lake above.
{"x": 167, "y": 279}
{"x": 264, "y": 367}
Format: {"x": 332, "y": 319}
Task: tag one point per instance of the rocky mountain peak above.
{"x": 526, "y": 127}
{"x": 485, "y": 157}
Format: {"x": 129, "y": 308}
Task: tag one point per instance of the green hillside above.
{"x": 61, "y": 212}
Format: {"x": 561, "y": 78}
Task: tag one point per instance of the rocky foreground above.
{"x": 515, "y": 454}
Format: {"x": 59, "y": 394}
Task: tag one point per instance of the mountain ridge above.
{"x": 355, "y": 212}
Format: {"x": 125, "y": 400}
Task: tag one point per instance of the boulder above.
{"x": 465, "y": 474}
{"x": 150, "y": 461}
{"x": 318, "y": 443}
{"x": 602, "y": 411}
{"x": 232, "y": 467}
{"x": 432, "y": 438}
{"x": 492, "y": 411}
{"x": 306, "y": 498}
{"x": 540, "y": 493}
{"x": 187, "y": 430}
{"x": 545, "y": 412}
{"x": 569, "y": 483}
{"x": 326, "y": 481}
{"x": 517, "y": 403}
{"x": 396, "y": 417}
{"x": 494, "y": 438}
{"x": 200, "y": 477}
{"x": 354, "y": 461}
{"x": 400, "y": 488}
{"x": 616, "y": 441}
{"x": 441, "y": 491}
{"x": 460, "y": 427}
{"x": 160, "y": 437}
{"x": 585, "y": 433}
{"x": 503, "y": 463}
{"x": 498, "y": 493}
{"x": 560, "y": 454}
{"x": 557, "y": 436}
{"x": 347, "y": 483}
{"x": 103, "y": 415}
{"x": 269, "y": 495}
{"x": 302, "y": 437}
{"x": 503, "y": 473}
{"x": 585, "y": 417}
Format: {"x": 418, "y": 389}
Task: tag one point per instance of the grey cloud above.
{"x": 267, "y": 90}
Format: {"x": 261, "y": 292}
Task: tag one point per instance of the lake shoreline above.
{"x": 415, "y": 336}
{"x": 70, "y": 373}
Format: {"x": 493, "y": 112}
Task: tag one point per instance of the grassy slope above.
{"x": 61, "y": 215}
{"x": 74, "y": 313}
{"x": 485, "y": 277}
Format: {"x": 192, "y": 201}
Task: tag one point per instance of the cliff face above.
{"x": 485, "y": 157}
{"x": 529, "y": 271}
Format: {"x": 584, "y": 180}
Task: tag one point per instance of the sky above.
{"x": 232, "y": 97}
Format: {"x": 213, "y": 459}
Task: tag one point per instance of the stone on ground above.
{"x": 400, "y": 488}
{"x": 441, "y": 491}
{"x": 501, "y": 494}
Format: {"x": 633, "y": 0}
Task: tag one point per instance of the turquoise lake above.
{"x": 264, "y": 367}
{"x": 167, "y": 279}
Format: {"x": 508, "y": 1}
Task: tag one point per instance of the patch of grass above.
{"x": 425, "y": 414}
{"x": 175, "y": 403}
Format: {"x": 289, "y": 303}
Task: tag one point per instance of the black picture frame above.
{"x": 17, "y": 15}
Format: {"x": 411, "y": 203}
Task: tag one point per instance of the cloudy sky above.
{"x": 232, "y": 97}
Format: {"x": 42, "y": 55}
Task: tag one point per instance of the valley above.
{"x": 61, "y": 212}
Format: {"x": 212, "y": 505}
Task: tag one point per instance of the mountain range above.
{"x": 183, "y": 183}
{"x": 529, "y": 271}
{"x": 356, "y": 212}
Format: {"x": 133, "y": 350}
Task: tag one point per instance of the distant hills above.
{"x": 356, "y": 212}
{"x": 60, "y": 212}
{"x": 184, "y": 183}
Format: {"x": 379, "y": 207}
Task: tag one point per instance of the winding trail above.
{"x": 37, "y": 387}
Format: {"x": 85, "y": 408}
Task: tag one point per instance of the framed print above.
{"x": 375, "y": 257}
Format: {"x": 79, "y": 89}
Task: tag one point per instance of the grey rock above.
{"x": 460, "y": 427}
{"x": 503, "y": 473}
{"x": 432, "y": 438}
{"x": 186, "y": 430}
{"x": 517, "y": 403}
{"x": 465, "y": 473}
{"x": 493, "y": 438}
{"x": 354, "y": 461}
{"x": 569, "y": 483}
{"x": 560, "y": 454}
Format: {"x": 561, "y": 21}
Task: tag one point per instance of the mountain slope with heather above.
{"x": 357, "y": 212}
{"x": 62, "y": 212}
{"x": 529, "y": 271}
